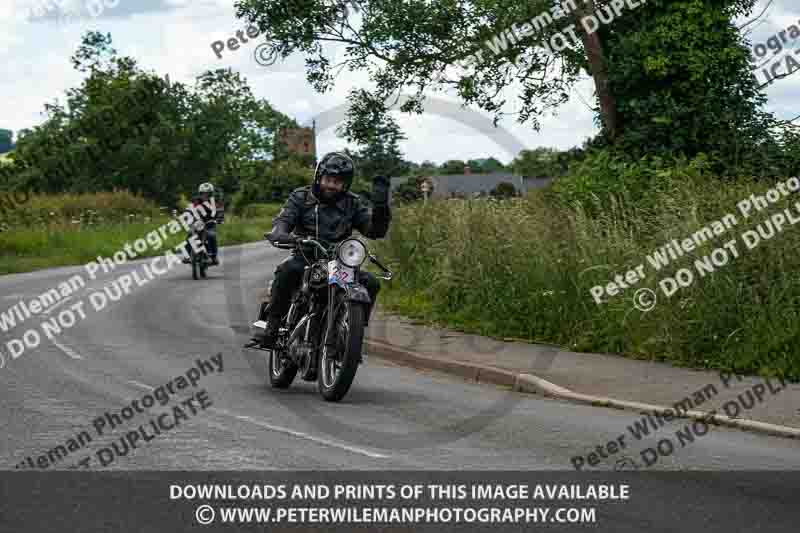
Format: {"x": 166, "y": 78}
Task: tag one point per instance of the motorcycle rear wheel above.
{"x": 195, "y": 266}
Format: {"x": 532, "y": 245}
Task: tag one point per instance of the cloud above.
{"x": 174, "y": 37}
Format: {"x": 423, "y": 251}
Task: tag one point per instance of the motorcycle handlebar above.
{"x": 294, "y": 242}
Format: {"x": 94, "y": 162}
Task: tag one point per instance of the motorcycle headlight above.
{"x": 352, "y": 253}
{"x": 199, "y": 225}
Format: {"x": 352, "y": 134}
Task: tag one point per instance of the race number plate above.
{"x": 339, "y": 274}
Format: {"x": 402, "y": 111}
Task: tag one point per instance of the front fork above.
{"x": 347, "y": 295}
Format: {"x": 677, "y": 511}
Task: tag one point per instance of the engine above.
{"x": 319, "y": 276}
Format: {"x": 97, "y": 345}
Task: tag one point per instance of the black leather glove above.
{"x": 380, "y": 190}
{"x": 279, "y": 233}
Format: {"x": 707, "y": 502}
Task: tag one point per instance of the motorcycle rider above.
{"x": 205, "y": 208}
{"x": 326, "y": 211}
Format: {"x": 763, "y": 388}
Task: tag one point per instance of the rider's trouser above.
{"x": 211, "y": 236}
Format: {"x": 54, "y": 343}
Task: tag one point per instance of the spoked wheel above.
{"x": 281, "y": 371}
{"x": 203, "y": 265}
{"x": 341, "y": 352}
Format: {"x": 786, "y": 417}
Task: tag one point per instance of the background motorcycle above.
{"x": 198, "y": 257}
{"x": 322, "y": 334}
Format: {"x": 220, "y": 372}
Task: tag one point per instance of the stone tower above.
{"x": 300, "y": 142}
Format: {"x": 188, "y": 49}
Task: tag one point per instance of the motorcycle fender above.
{"x": 358, "y": 293}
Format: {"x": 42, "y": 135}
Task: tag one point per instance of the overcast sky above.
{"x": 174, "y": 37}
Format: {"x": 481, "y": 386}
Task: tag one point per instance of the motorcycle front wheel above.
{"x": 339, "y": 358}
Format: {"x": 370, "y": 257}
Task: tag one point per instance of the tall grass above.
{"x": 63, "y": 211}
{"x": 62, "y": 230}
{"x": 24, "y": 250}
{"x": 524, "y": 269}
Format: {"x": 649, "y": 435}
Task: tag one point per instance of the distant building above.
{"x": 470, "y": 184}
{"x": 6, "y": 141}
{"x": 299, "y": 141}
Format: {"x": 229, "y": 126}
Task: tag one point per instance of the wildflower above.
{"x": 547, "y": 293}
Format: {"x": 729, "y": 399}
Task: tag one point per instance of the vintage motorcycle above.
{"x": 198, "y": 256}
{"x": 322, "y": 334}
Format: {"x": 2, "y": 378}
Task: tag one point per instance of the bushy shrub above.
{"x": 504, "y": 190}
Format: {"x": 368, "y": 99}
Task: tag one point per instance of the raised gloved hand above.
{"x": 380, "y": 190}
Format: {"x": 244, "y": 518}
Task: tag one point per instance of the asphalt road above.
{"x": 393, "y": 417}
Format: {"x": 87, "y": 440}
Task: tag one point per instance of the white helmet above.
{"x": 206, "y": 187}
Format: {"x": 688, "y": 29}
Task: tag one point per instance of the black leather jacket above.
{"x": 305, "y": 216}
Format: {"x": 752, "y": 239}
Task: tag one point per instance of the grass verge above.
{"x": 49, "y": 232}
{"x": 525, "y": 268}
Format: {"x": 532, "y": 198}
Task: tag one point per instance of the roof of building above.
{"x": 472, "y": 183}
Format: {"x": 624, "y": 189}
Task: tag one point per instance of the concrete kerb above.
{"x": 523, "y": 382}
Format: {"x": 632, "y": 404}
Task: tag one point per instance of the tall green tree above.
{"x": 544, "y": 162}
{"x": 452, "y": 166}
{"x": 537, "y": 163}
{"x": 426, "y": 168}
{"x": 661, "y": 67}
{"x": 685, "y": 73}
{"x": 232, "y": 127}
{"x": 492, "y": 165}
{"x": 378, "y": 139}
{"x": 125, "y": 128}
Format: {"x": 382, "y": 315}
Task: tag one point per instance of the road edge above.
{"x": 529, "y": 383}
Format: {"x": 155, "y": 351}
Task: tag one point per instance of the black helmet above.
{"x": 335, "y": 164}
